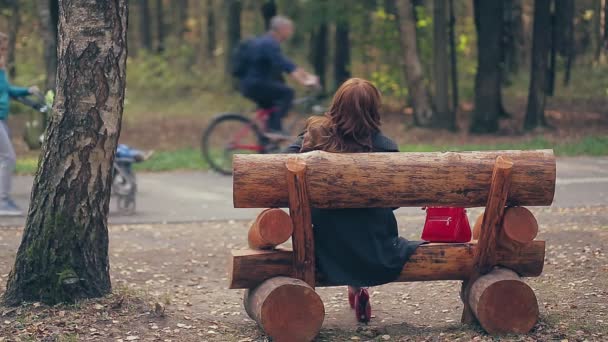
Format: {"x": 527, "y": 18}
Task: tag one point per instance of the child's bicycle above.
{"x": 124, "y": 183}
{"x": 233, "y": 133}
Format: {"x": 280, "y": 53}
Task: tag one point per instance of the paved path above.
{"x": 203, "y": 196}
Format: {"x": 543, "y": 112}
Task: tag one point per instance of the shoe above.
{"x": 9, "y": 208}
{"x": 351, "y": 297}
{"x": 363, "y": 309}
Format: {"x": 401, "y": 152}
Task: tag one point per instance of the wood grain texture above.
{"x": 503, "y": 303}
{"x": 271, "y": 228}
{"x": 287, "y": 309}
{"x": 394, "y": 179}
{"x": 491, "y": 225}
{"x": 299, "y": 209}
{"x": 436, "y": 261}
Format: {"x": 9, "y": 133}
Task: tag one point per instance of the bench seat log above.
{"x": 363, "y": 180}
{"x": 436, "y": 261}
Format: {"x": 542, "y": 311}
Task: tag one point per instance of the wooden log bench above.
{"x": 280, "y": 282}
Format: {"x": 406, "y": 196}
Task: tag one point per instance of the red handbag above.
{"x": 446, "y": 225}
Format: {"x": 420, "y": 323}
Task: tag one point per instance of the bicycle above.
{"x": 232, "y": 133}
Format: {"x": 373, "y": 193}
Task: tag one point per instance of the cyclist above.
{"x": 265, "y": 62}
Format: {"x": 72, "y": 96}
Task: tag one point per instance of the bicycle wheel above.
{"x": 227, "y": 135}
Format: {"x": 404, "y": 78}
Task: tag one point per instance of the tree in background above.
{"x": 160, "y": 27}
{"x": 488, "y": 98}
{"x": 416, "y": 84}
{"x": 318, "y": 52}
{"x": 63, "y": 254}
{"x": 211, "y": 43}
{"x": 144, "y": 25}
{"x": 14, "y": 21}
{"x": 443, "y": 116}
{"x": 341, "y": 52}
{"x": 541, "y": 44}
{"x": 48, "y": 12}
{"x": 233, "y": 29}
{"x": 269, "y": 10}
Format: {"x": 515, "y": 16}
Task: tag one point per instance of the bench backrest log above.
{"x": 364, "y": 180}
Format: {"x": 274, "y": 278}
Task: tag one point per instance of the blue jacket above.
{"x": 266, "y": 59}
{"x": 6, "y": 92}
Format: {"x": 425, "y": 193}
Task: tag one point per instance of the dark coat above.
{"x": 361, "y": 246}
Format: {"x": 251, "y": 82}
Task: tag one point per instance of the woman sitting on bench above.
{"x": 358, "y": 247}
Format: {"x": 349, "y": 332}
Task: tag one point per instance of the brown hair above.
{"x": 350, "y": 123}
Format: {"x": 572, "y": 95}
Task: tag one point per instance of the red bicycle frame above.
{"x": 261, "y": 118}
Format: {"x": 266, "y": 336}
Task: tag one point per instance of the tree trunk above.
{"x": 63, "y": 254}
{"x": 13, "y": 31}
{"x": 318, "y": 52}
{"x": 453, "y": 63}
{"x": 160, "y": 27}
{"x": 385, "y": 180}
{"x": 552, "y": 54}
{"x": 342, "y": 53}
{"x": 182, "y": 20}
{"x": 488, "y": 102}
{"x": 416, "y": 84}
{"x": 211, "y": 41}
{"x": 269, "y": 10}
{"x": 48, "y": 11}
{"x": 233, "y": 30}
{"x": 144, "y": 25}
{"x": 513, "y": 38}
{"x": 443, "y": 116}
{"x": 535, "y": 112}
{"x": 597, "y": 29}
{"x": 564, "y": 23}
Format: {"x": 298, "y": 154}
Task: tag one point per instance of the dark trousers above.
{"x": 268, "y": 94}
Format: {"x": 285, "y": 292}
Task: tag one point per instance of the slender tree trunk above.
{"x": 269, "y": 10}
{"x": 535, "y": 112}
{"x": 160, "y": 27}
{"x": 182, "y": 19}
{"x": 443, "y": 116}
{"x": 453, "y": 61}
{"x": 597, "y": 29}
{"x": 211, "y": 41}
{"x": 63, "y": 254}
{"x": 421, "y": 103}
{"x": 48, "y": 11}
{"x": 145, "y": 26}
{"x": 552, "y": 54}
{"x": 233, "y": 31}
{"x": 13, "y": 31}
{"x": 564, "y": 24}
{"x": 488, "y": 102}
{"x": 318, "y": 49}
{"x": 342, "y": 53}
{"x": 605, "y": 40}
{"x": 512, "y": 38}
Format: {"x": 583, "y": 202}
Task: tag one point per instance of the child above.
{"x": 7, "y": 153}
{"x": 359, "y": 247}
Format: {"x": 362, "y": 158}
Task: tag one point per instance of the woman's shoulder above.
{"x": 382, "y": 143}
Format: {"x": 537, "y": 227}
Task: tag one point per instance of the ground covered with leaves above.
{"x": 170, "y": 285}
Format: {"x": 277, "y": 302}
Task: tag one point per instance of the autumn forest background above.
{"x": 455, "y": 74}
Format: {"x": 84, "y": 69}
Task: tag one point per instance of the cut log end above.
{"x": 271, "y": 228}
{"x": 295, "y": 165}
{"x": 519, "y": 227}
{"x": 287, "y": 309}
{"x": 503, "y": 303}
{"x": 503, "y": 162}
